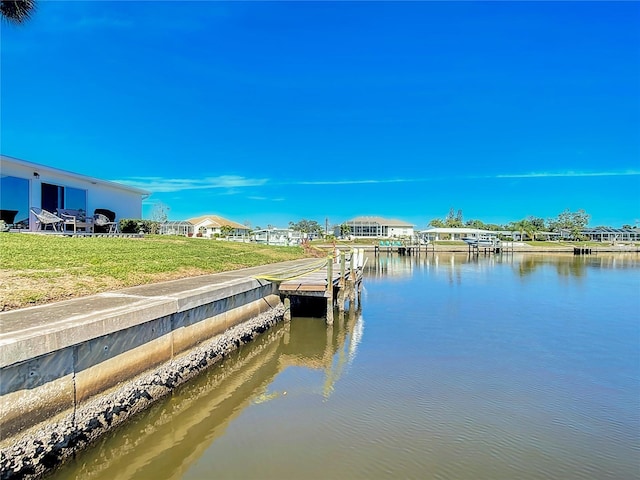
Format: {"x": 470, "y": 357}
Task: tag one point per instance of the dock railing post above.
{"x": 341, "y": 284}
{"x": 352, "y": 275}
{"x": 357, "y": 279}
{"x": 329, "y": 293}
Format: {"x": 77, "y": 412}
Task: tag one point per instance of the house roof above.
{"x": 40, "y": 168}
{"x": 216, "y": 221}
{"x": 379, "y": 221}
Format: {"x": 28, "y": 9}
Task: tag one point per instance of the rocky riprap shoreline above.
{"x": 47, "y": 447}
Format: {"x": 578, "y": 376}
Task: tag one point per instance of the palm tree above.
{"x": 17, "y": 11}
{"x": 226, "y": 231}
{"x": 524, "y": 226}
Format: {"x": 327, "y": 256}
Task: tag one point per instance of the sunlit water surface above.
{"x": 452, "y": 367}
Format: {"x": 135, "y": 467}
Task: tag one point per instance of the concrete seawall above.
{"x": 71, "y": 371}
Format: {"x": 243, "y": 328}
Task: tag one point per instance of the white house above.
{"x": 453, "y": 233}
{"x": 211, "y": 225}
{"x": 25, "y": 185}
{"x": 376, "y": 227}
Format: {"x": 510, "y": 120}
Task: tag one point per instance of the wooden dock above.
{"x": 403, "y": 249}
{"x": 340, "y": 278}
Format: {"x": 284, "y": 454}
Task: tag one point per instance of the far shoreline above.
{"x": 456, "y": 247}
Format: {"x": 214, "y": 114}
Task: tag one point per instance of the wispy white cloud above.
{"x": 159, "y": 184}
{"x": 231, "y": 183}
{"x": 566, "y": 174}
{"x": 464, "y": 177}
{"x": 358, "y": 181}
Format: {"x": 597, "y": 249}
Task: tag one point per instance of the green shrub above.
{"x": 137, "y": 225}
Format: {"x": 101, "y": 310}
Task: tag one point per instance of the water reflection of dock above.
{"x": 168, "y": 439}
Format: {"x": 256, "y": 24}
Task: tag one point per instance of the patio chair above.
{"x": 101, "y": 220}
{"x": 110, "y": 214}
{"x": 45, "y": 218}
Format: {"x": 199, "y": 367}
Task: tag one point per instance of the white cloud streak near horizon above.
{"x": 159, "y": 184}
{"x": 164, "y": 185}
{"x": 626, "y": 173}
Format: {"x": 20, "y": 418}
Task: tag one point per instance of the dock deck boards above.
{"x": 313, "y": 284}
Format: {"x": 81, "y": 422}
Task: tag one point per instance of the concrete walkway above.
{"x": 34, "y": 331}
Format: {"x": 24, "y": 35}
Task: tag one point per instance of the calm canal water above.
{"x": 513, "y": 367}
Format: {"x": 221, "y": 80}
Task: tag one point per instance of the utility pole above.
{"x": 326, "y": 227}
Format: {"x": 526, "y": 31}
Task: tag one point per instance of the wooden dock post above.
{"x": 329, "y": 292}
{"x": 352, "y": 275}
{"x": 287, "y": 309}
{"x": 358, "y": 279}
{"x": 341, "y": 283}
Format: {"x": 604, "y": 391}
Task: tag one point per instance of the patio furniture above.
{"x": 8, "y": 216}
{"x": 110, "y": 214}
{"x": 44, "y": 218}
{"x": 101, "y": 220}
{"x": 76, "y": 218}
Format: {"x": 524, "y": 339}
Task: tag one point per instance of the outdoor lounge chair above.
{"x": 101, "y": 220}
{"x": 45, "y": 218}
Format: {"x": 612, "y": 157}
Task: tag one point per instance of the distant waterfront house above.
{"x": 376, "y": 227}
{"x": 177, "y": 228}
{"x": 606, "y": 234}
{"x": 522, "y": 236}
{"x": 452, "y": 233}
{"x": 277, "y": 236}
{"x": 211, "y": 225}
{"x": 25, "y": 185}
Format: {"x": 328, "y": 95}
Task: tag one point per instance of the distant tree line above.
{"x": 573, "y": 222}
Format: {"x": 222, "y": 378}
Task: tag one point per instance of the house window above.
{"x": 75, "y": 198}
{"x": 57, "y": 196}
{"x": 14, "y": 200}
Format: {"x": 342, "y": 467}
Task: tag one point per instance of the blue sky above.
{"x": 270, "y": 112}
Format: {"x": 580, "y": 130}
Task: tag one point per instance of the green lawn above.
{"x": 39, "y": 269}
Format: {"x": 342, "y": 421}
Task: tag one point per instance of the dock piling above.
{"x": 287, "y": 309}
{"x": 329, "y": 292}
{"x": 341, "y": 284}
